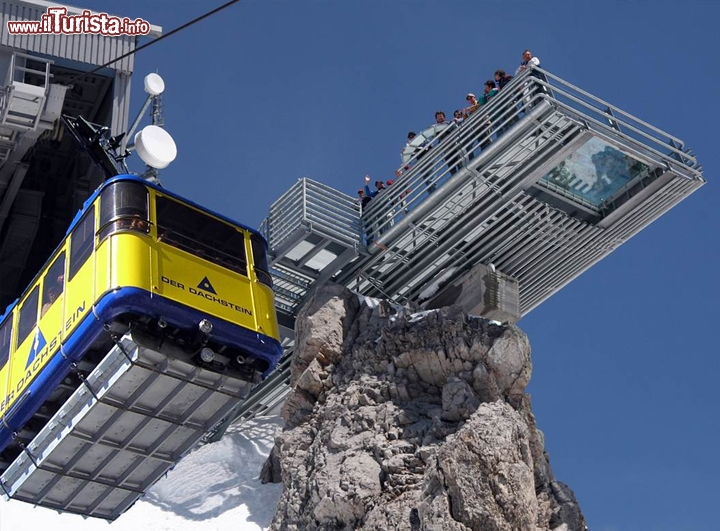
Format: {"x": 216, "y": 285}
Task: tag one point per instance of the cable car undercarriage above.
{"x": 132, "y": 418}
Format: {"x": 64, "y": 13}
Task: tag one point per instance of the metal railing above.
{"x": 19, "y": 72}
{"x": 598, "y": 112}
{"x": 442, "y": 158}
{"x": 311, "y": 204}
{"x": 27, "y": 90}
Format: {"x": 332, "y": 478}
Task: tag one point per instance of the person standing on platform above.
{"x": 473, "y": 104}
{"x": 374, "y": 227}
{"x": 501, "y": 78}
{"x": 527, "y": 61}
{"x": 489, "y": 91}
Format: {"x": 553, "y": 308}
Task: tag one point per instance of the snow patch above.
{"x": 369, "y": 301}
{"x": 491, "y": 321}
{"x": 214, "y": 487}
{"x": 373, "y": 303}
{"x": 434, "y": 286}
{"x": 415, "y": 317}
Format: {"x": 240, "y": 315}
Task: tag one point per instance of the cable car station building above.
{"x": 44, "y": 178}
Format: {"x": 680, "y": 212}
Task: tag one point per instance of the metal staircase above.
{"x": 22, "y": 99}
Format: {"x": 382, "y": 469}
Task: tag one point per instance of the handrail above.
{"x": 524, "y": 92}
{"x": 310, "y": 202}
{"x": 462, "y": 142}
{"x": 667, "y": 144}
{"x": 607, "y": 105}
{"x": 15, "y": 67}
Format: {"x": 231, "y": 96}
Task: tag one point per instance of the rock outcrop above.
{"x": 411, "y": 421}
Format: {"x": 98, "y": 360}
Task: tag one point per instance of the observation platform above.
{"x": 496, "y": 214}
{"x": 537, "y": 185}
{"x": 563, "y": 180}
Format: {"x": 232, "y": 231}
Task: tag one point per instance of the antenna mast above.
{"x": 153, "y": 142}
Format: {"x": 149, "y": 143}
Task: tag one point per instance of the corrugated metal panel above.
{"x": 121, "y": 103}
{"x": 93, "y": 49}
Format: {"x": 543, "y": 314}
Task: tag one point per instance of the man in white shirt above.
{"x": 527, "y": 60}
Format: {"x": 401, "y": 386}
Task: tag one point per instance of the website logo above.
{"x": 57, "y": 22}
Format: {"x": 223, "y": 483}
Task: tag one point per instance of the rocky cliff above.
{"x": 412, "y": 421}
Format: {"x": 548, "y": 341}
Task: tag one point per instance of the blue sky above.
{"x": 626, "y": 357}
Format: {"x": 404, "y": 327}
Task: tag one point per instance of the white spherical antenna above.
{"x": 155, "y": 146}
{"x": 154, "y": 84}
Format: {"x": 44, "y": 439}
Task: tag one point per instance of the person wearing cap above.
{"x": 473, "y": 102}
{"x": 364, "y": 199}
{"x": 379, "y": 187}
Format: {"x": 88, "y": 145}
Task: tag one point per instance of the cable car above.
{"x": 188, "y": 285}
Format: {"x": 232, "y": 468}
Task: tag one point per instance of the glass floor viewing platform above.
{"x": 538, "y": 185}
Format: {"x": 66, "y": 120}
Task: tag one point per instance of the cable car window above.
{"x": 81, "y": 241}
{"x": 124, "y": 206}
{"x": 200, "y": 234}
{"x": 5, "y": 332}
{"x": 259, "y": 249}
{"x": 53, "y": 283}
{"x": 28, "y": 315}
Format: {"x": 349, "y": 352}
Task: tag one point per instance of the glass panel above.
{"x": 81, "y": 242}
{"x": 594, "y": 173}
{"x": 28, "y": 315}
{"x": 53, "y": 283}
{"x": 124, "y": 206}
{"x": 200, "y": 234}
{"x": 5, "y": 332}
{"x": 260, "y": 259}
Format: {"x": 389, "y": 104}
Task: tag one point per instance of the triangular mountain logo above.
{"x": 37, "y": 345}
{"x": 206, "y": 286}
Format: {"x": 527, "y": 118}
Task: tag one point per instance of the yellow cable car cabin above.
{"x": 137, "y": 258}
